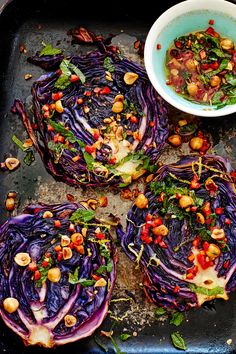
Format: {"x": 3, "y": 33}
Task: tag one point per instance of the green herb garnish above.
{"x": 177, "y": 318}
{"x": 18, "y": 142}
{"x": 178, "y": 341}
{"x": 159, "y": 311}
{"x": 81, "y": 215}
{"x": 204, "y": 291}
{"x": 68, "y": 69}
{"x": 73, "y": 277}
{"x": 29, "y": 157}
{"x": 43, "y": 273}
{"x": 124, "y": 336}
{"x": 107, "y": 64}
{"x": 49, "y": 50}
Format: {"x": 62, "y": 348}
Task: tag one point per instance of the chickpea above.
{"x": 100, "y": 282}
{"x": 10, "y": 204}
{"x": 141, "y": 201}
{"x": 58, "y": 106}
{"x": 130, "y": 78}
{"x": 175, "y": 140}
{"x": 70, "y": 320}
{"x": 200, "y": 218}
{"x": 174, "y": 72}
{"x": 190, "y": 64}
{"x": 161, "y": 230}
{"x": 65, "y": 240}
{"x": 77, "y": 238}
{"x": 12, "y": 163}
{"x": 215, "y": 81}
{"x": 117, "y": 107}
{"x": 54, "y": 275}
{"x": 192, "y": 89}
{"x": 218, "y": 234}
{"x": 47, "y": 214}
{"x": 226, "y": 44}
{"x": 22, "y": 259}
{"x": 10, "y": 304}
{"x": 67, "y": 253}
{"x": 196, "y": 143}
{"x": 213, "y": 251}
{"x": 185, "y": 201}
{"x": 182, "y": 122}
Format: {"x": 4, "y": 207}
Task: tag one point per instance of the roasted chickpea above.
{"x": 218, "y": 234}
{"x": 213, "y": 251}
{"x": 226, "y": 44}
{"x": 215, "y": 81}
{"x": 185, "y": 201}
{"x": 200, "y": 218}
{"x": 192, "y": 89}
{"x": 175, "y": 140}
{"x": 70, "y": 320}
{"x": 117, "y": 107}
{"x": 161, "y": 230}
{"x": 54, "y": 275}
{"x": 141, "y": 201}
{"x": 196, "y": 143}
{"x": 10, "y": 304}
{"x": 190, "y": 64}
{"x": 130, "y": 78}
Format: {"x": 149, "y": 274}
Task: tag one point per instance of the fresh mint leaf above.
{"x": 109, "y": 266}
{"x": 73, "y": 277}
{"x": 59, "y": 128}
{"x": 49, "y": 50}
{"x": 216, "y": 99}
{"x": 177, "y": 318}
{"x": 204, "y": 291}
{"x": 89, "y": 160}
{"x": 231, "y": 79}
{"x": 218, "y": 52}
{"x": 101, "y": 269}
{"x": 107, "y": 64}
{"x": 86, "y": 282}
{"x": 204, "y": 234}
{"x": 67, "y": 69}
{"x": 178, "y": 341}
{"x": 159, "y": 311}
{"x": 124, "y": 336}
{"x": 82, "y": 215}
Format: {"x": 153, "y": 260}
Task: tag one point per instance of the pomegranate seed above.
{"x": 57, "y": 223}
{"x": 44, "y": 264}
{"x": 176, "y": 289}
{"x": 32, "y": 267}
{"x": 37, "y": 275}
{"x": 80, "y": 100}
{"x": 59, "y": 256}
{"x": 133, "y": 119}
{"x": 158, "y": 46}
{"x": 96, "y": 135}
{"x": 211, "y": 22}
{"x": 74, "y": 78}
{"x": 50, "y": 128}
{"x": 105, "y": 91}
{"x": 71, "y": 228}
{"x": 87, "y": 93}
{"x": 228, "y": 221}
{"x": 219, "y": 211}
{"x": 90, "y": 149}
{"x": 57, "y": 248}
{"x": 57, "y": 96}
{"x": 151, "y": 124}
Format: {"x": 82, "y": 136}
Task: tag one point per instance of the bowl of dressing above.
{"x": 190, "y": 57}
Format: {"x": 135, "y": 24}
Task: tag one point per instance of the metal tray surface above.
{"x": 205, "y": 330}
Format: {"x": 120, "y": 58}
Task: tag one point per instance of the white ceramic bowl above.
{"x": 181, "y": 19}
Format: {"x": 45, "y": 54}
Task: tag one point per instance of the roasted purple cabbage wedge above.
{"x": 57, "y": 272}
{"x": 95, "y": 121}
{"x": 182, "y": 232}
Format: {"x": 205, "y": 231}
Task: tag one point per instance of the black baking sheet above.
{"x": 207, "y": 329}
